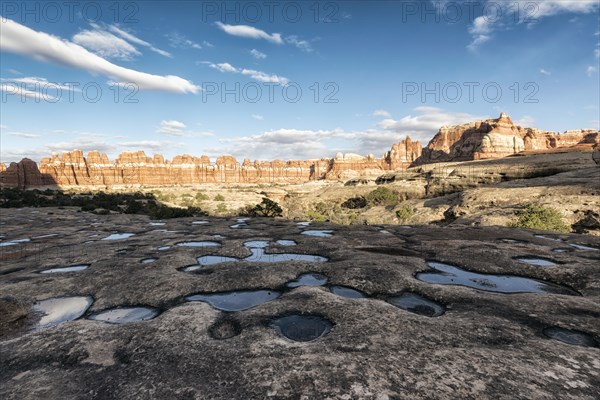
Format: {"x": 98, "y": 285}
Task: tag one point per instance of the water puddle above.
{"x": 198, "y": 244}
{"x": 117, "y": 236}
{"x": 212, "y": 260}
{"x": 200, "y": 222}
{"x": 508, "y": 240}
{"x": 163, "y": 248}
{"x": 446, "y": 274}
{"x": 14, "y": 242}
{"x": 218, "y": 236}
{"x": 148, "y": 260}
{"x": 45, "y": 236}
{"x": 286, "y": 243}
{"x": 237, "y": 226}
{"x": 568, "y": 336}
{"x": 61, "y": 309}
{"x": 156, "y": 223}
{"x": 319, "y": 233}
{"x": 539, "y": 262}
{"x": 418, "y": 304}
{"x": 309, "y": 279}
{"x": 125, "y": 315}
{"x": 236, "y": 301}
{"x": 72, "y": 268}
{"x": 582, "y": 247}
{"x": 562, "y": 250}
{"x": 548, "y": 237}
{"x": 347, "y": 292}
{"x": 303, "y": 223}
{"x": 301, "y": 328}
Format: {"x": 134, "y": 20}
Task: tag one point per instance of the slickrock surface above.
{"x": 486, "y": 344}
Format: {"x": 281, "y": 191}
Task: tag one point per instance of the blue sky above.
{"x": 369, "y": 74}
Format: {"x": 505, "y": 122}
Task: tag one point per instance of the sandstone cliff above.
{"x": 496, "y": 138}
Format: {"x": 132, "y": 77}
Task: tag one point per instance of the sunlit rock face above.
{"x": 496, "y": 138}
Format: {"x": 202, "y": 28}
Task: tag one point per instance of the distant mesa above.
{"x": 489, "y": 139}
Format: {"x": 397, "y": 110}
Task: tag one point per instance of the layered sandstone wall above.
{"x": 497, "y": 138}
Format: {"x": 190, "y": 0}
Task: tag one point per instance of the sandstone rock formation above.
{"x": 496, "y": 138}
{"x": 493, "y": 138}
{"x": 137, "y": 169}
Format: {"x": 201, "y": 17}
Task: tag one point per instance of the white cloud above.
{"x": 105, "y": 44}
{"x": 224, "y": 67}
{"x": 526, "y": 121}
{"x": 381, "y": 113}
{"x": 83, "y": 144}
{"x": 24, "y": 135}
{"x": 527, "y": 11}
{"x": 171, "y": 127}
{"x": 259, "y": 55}
{"x": 259, "y": 76}
{"x": 134, "y": 39}
{"x": 597, "y": 52}
{"x": 591, "y": 70}
{"x": 258, "y": 117}
{"x": 427, "y": 123}
{"x": 154, "y": 145}
{"x": 544, "y": 72}
{"x": 249, "y": 32}
{"x": 41, "y": 46}
{"x": 303, "y": 45}
{"x": 207, "y": 44}
{"x": 178, "y": 40}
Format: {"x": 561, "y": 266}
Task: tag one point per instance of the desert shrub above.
{"x": 355, "y": 202}
{"x": 267, "y": 208}
{"x": 405, "y": 213}
{"x": 536, "y": 216}
{"x": 219, "y": 197}
{"x": 382, "y": 196}
{"x": 201, "y": 196}
{"x": 221, "y": 208}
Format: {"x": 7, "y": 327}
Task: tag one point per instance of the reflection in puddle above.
{"x": 200, "y": 222}
{"x": 540, "y": 262}
{"x": 125, "y": 315}
{"x": 14, "y": 242}
{"x": 198, "y": 244}
{"x": 303, "y": 223}
{"x": 236, "y": 301}
{"x": 45, "y": 236}
{"x": 286, "y": 242}
{"x": 570, "y": 336}
{"x": 163, "y": 248}
{"x": 61, "y": 309}
{"x": 548, "y": 237}
{"x": 257, "y": 247}
{"x": 418, "y": 304}
{"x": 309, "y": 279}
{"x": 148, "y": 260}
{"x": 446, "y": 274}
{"x": 72, "y": 268}
{"x": 157, "y": 223}
{"x": 347, "y": 292}
{"x": 117, "y": 236}
{"x": 582, "y": 247}
{"x": 320, "y": 233}
{"x": 301, "y": 328}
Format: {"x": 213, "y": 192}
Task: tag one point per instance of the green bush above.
{"x": 219, "y": 198}
{"x": 201, "y": 196}
{"x": 267, "y": 208}
{"x": 221, "y": 208}
{"x": 536, "y": 216}
{"x": 355, "y": 202}
{"x": 405, "y": 213}
{"x": 382, "y": 196}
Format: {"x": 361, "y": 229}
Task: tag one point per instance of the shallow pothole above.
{"x": 61, "y": 309}
{"x": 125, "y": 315}
{"x": 118, "y": 236}
{"x": 537, "y": 261}
{"x": 446, "y": 274}
{"x": 308, "y": 279}
{"x": 417, "y": 304}
{"x": 301, "y": 328}
{"x": 72, "y": 268}
{"x": 318, "y": 232}
{"x": 347, "y": 292}
{"x": 569, "y": 336}
{"x": 236, "y": 300}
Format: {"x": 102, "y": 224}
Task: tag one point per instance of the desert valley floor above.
{"x": 267, "y": 308}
